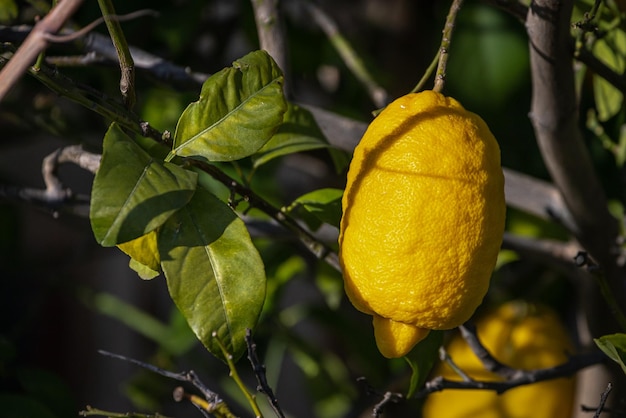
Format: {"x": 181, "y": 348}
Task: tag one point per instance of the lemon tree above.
{"x": 519, "y": 335}
{"x": 423, "y": 218}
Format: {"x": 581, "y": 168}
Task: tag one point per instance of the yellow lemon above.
{"x": 423, "y": 218}
{"x": 521, "y": 336}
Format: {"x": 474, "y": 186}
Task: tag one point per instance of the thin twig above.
{"x": 573, "y": 365}
{"x": 234, "y": 374}
{"x": 388, "y": 397}
{"x": 319, "y": 249}
{"x": 259, "y": 372}
{"x": 489, "y": 362}
{"x": 99, "y": 49}
{"x": 127, "y": 66}
{"x": 352, "y": 60}
{"x": 55, "y": 196}
{"x": 90, "y": 411}
{"x": 429, "y": 71}
{"x": 215, "y": 405}
{"x": 35, "y": 43}
{"x": 603, "y": 398}
{"x": 582, "y": 259}
{"x": 85, "y": 30}
{"x": 95, "y": 101}
{"x": 189, "y": 376}
{"x": 440, "y": 76}
{"x": 445, "y": 357}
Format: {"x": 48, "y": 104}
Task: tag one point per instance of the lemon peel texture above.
{"x": 394, "y": 339}
{"x": 519, "y": 335}
{"x": 423, "y": 218}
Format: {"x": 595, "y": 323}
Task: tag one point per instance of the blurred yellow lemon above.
{"x": 521, "y": 336}
{"x": 423, "y": 218}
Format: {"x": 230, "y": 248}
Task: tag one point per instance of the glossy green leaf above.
{"x": 299, "y": 132}
{"x": 611, "y": 50}
{"x": 614, "y": 346}
{"x": 132, "y": 193}
{"x": 319, "y": 206}
{"x": 239, "y": 110}
{"x": 214, "y": 273}
{"x": 422, "y": 358}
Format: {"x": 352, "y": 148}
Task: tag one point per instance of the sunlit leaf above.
{"x": 214, "y": 273}
{"x": 239, "y": 110}
{"x": 144, "y": 254}
{"x": 614, "y": 346}
{"x": 299, "y": 132}
{"x": 132, "y": 193}
{"x": 611, "y": 50}
{"x": 422, "y": 358}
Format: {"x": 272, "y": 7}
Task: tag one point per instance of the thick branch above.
{"x": 555, "y": 120}
{"x": 99, "y": 49}
{"x": 271, "y": 31}
{"x": 35, "y": 43}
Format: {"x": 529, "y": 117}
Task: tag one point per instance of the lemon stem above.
{"x": 440, "y": 76}
{"x": 429, "y": 71}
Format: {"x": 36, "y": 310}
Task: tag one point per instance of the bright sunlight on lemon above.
{"x": 423, "y": 218}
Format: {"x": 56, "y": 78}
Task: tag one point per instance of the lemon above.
{"x": 423, "y": 218}
{"x": 521, "y": 336}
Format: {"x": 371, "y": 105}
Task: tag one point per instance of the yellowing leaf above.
{"x": 144, "y": 254}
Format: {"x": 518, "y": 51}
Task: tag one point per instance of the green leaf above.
{"x": 214, "y": 273}
{"x": 132, "y": 193}
{"x": 8, "y": 11}
{"x": 611, "y": 50}
{"x": 322, "y": 206}
{"x": 614, "y": 346}
{"x": 239, "y": 110}
{"x": 299, "y": 132}
{"x": 422, "y": 358}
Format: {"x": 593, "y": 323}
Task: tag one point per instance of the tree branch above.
{"x": 35, "y": 43}
{"x": 272, "y": 37}
{"x": 574, "y": 364}
{"x": 127, "y": 66}
{"x": 99, "y": 49}
{"x": 554, "y": 118}
{"x": 259, "y": 371}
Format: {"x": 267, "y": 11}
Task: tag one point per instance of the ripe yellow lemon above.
{"x": 423, "y": 218}
{"x": 519, "y": 335}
